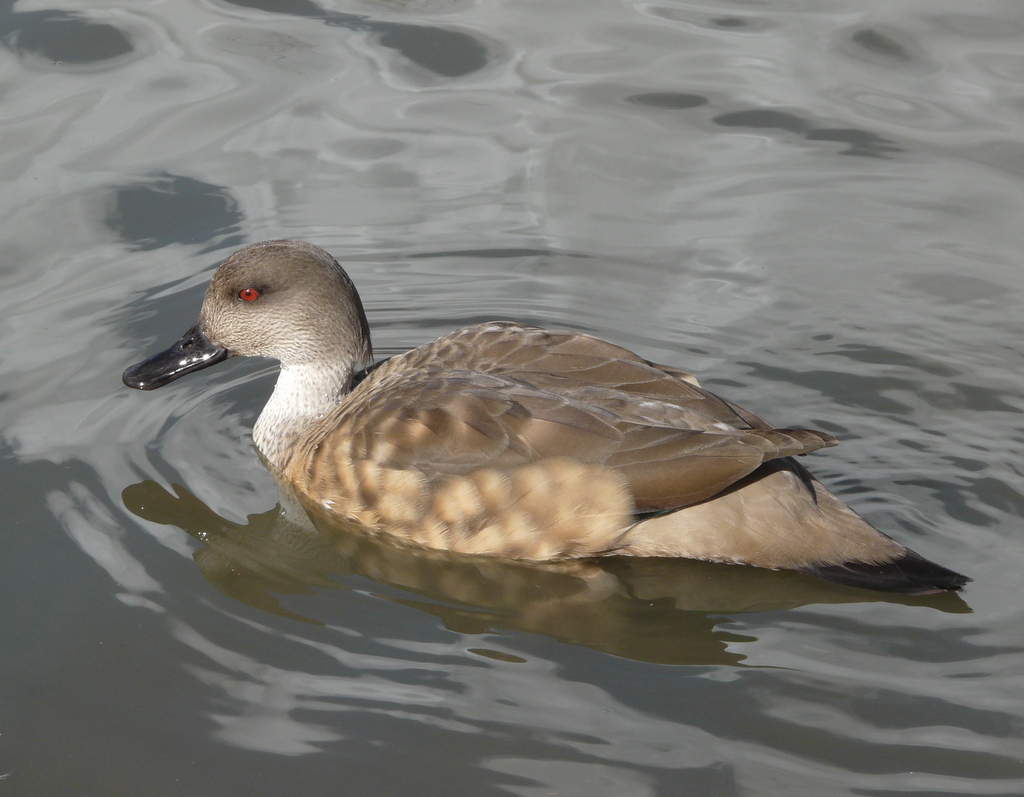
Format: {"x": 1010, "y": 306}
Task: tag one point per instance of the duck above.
{"x": 508, "y": 440}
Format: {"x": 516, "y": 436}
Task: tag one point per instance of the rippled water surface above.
{"x": 815, "y": 206}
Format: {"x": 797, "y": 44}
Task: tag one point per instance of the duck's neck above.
{"x": 303, "y": 394}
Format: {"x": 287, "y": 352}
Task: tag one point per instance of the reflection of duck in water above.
{"x": 517, "y": 442}
{"x": 649, "y": 609}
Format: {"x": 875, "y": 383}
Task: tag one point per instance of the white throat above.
{"x": 303, "y": 394}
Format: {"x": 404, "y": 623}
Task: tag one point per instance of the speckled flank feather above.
{"x": 514, "y": 441}
{"x": 520, "y": 513}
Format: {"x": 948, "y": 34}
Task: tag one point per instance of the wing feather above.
{"x": 500, "y": 396}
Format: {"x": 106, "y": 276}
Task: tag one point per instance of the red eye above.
{"x": 249, "y": 294}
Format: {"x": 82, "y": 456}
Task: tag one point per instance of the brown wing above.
{"x": 474, "y": 401}
{"x": 570, "y": 363}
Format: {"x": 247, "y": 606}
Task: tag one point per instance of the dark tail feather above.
{"x": 911, "y": 574}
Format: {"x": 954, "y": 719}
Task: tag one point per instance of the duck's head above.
{"x": 288, "y": 300}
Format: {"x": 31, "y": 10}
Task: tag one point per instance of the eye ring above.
{"x": 249, "y": 294}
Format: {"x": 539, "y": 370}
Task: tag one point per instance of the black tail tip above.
{"x": 911, "y": 574}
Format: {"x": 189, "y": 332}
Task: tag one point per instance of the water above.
{"x": 813, "y": 206}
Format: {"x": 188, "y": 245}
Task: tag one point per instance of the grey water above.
{"x": 813, "y": 206}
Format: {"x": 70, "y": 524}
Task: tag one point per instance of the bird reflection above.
{"x": 656, "y": 610}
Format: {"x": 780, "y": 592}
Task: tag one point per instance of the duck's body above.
{"x": 510, "y": 440}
